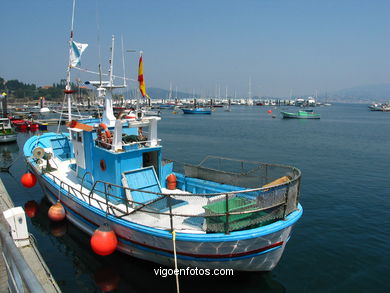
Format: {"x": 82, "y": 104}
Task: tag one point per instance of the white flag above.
{"x": 75, "y": 54}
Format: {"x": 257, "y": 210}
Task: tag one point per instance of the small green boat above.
{"x": 302, "y": 114}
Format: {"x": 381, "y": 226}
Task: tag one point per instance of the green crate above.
{"x": 235, "y": 204}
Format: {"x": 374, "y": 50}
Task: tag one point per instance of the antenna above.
{"x": 112, "y": 60}
{"x": 100, "y": 74}
{"x": 123, "y": 63}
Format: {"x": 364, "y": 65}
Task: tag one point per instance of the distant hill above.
{"x": 363, "y": 94}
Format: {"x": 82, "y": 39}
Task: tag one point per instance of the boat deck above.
{"x": 193, "y": 206}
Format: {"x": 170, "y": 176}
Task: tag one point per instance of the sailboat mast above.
{"x": 250, "y": 88}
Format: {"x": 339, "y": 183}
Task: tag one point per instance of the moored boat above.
{"x": 196, "y": 111}
{"x": 7, "y": 133}
{"x": 303, "y": 114}
{"x": 221, "y": 213}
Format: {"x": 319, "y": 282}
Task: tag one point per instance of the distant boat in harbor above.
{"x": 303, "y": 114}
{"x": 380, "y": 107}
{"x": 197, "y": 111}
{"x": 7, "y": 133}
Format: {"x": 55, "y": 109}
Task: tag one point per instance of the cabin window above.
{"x": 74, "y": 135}
{"x": 79, "y": 137}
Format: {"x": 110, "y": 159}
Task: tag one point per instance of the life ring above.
{"x": 104, "y": 126}
{"x": 104, "y": 138}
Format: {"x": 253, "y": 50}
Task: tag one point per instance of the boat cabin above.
{"x": 108, "y": 154}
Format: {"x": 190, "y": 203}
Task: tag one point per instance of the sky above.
{"x": 284, "y": 47}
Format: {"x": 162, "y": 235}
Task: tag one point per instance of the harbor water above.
{"x": 341, "y": 244}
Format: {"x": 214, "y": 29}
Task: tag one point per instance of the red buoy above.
{"x": 171, "y": 181}
{"x": 56, "y": 212}
{"x": 28, "y": 180}
{"x": 269, "y": 111}
{"x": 103, "y": 240}
{"x": 31, "y": 208}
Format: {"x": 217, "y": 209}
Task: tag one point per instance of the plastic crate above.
{"x": 235, "y": 204}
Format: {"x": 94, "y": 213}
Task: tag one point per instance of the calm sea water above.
{"x": 341, "y": 244}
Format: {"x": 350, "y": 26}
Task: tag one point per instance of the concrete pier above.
{"x": 29, "y": 253}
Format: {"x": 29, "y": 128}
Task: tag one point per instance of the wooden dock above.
{"x": 30, "y": 254}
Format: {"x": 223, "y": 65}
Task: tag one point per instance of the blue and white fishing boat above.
{"x": 196, "y": 111}
{"x": 221, "y": 213}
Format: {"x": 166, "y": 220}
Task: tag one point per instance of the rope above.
{"x": 175, "y": 258}
{"x": 59, "y": 121}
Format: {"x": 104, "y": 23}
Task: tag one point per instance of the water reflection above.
{"x": 122, "y": 273}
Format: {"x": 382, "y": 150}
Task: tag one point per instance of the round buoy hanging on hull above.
{"x": 103, "y": 240}
{"x": 56, "y": 212}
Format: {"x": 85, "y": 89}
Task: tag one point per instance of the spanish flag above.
{"x": 142, "y": 87}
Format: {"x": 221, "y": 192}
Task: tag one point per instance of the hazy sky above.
{"x": 283, "y": 45}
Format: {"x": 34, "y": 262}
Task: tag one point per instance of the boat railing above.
{"x": 222, "y": 211}
{"x": 136, "y": 144}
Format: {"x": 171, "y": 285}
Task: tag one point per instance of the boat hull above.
{"x": 8, "y": 138}
{"x": 258, "y": 249}
{"x": 196, "y": 111}
{"x": 297, "y": 116}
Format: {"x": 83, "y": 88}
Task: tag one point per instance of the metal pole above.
{"x": 29, "y": 278}
{"x": 227, "y": 214}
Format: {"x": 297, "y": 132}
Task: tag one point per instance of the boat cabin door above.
{"x": 78, "y": 146}
{"x": 151, "y": 159}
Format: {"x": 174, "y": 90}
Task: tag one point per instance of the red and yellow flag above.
{"x": 142, "y": 87}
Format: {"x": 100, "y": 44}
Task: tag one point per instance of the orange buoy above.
{"x": 103, "y": 240}
{"x": 28, "y": 180}
{"x": 171, "y": 181}
{"x": 31, "y": 208}
{"x": 269, "y": 111}
{"x": 56, "y": 212}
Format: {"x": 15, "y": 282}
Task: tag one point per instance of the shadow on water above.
{"x": 122, "y": 273}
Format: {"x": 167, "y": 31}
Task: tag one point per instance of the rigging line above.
{"x": 59, "y": 121}
{"x": 94, "y": 72}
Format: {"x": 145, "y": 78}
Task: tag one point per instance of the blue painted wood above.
{"x": 143, "y": 179}
{"x": 61, "y": 148}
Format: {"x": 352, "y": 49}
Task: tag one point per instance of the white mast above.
{"x": 105, "y": 88}
{"x": 68, "y": 90}
{"x": 108, "y": 114}
{"x": 170, "y": 91}
{"x": 123, "y": 64}
{"x": 250, "y": 88}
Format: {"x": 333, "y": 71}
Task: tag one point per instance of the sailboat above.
{"x": 110, "y": 177}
